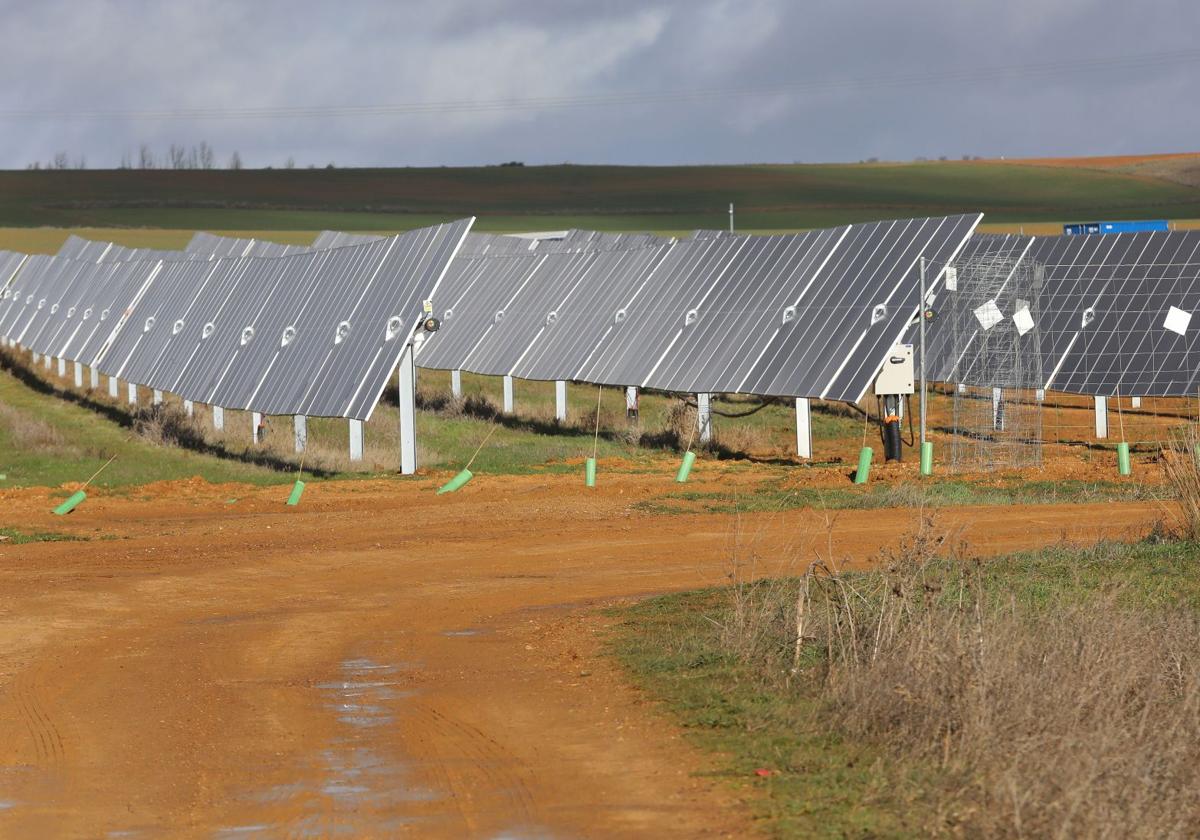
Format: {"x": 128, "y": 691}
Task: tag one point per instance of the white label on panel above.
{"x": 989, "y": 315}
{"x": 951, "y": 279}
{"x": 1023, "y": 321}
{"x": 1178, "y": 320}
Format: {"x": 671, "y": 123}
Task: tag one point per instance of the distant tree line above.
{"x": 177, "y": 156}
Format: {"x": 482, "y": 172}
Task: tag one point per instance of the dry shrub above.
{"x": 1064, "y": 719}
{"x": 742, "y": 438}
{"x": 32, "y": 433}
{"x": 1181, "y": 462}
{"x": 680, "y": 424}
{"x": 1072, "y": 716}
{"x": 167, "y": 424}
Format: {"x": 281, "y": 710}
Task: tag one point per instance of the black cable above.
{"x": 912, "y": 435}
{"x": 764, "y": 402}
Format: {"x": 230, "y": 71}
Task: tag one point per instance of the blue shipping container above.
{"x": 1116, "y": 227}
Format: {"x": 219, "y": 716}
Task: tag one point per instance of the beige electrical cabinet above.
{"x": 897, "y": 374}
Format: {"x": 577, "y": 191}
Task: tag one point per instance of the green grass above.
{"x": 777, "y": 494}
{"x": 12, "y": 536}
{"x": 663, "y": 199}
{"x": 530, "y": 441}
{"x": 48, "y": 441}
{"x": 823, "y": 784}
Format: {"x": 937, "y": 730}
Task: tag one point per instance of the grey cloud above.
{"x": 66, "y": 55}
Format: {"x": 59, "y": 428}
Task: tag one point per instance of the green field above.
{"x": 663, "y": 199}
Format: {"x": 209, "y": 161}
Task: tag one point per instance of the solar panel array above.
{"x": 1114, "y": 317}
{"x": 316, "y": 333}
{"x": 318, "y": 330}
{"x": 805, "y": 315}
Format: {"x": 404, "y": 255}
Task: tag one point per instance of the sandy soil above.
{"x": 380, "y": 661}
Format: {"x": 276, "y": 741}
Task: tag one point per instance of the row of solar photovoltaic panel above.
{"x": 1113, "y": 314}
{"x": 315, "y": 333}
{"x": 477, "y": 242}
{"x": 203, "y": 246}
{"x": 805, "y": 315}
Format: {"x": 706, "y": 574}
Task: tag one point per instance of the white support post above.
{"x": 49, "y": 362}
{"x": 560, "y": 401}
{"x": 255, "y": 425}
{"x": 114, "y": 387}
{"x": 1101, "y": 418}
{"x": 218, "y": 418}
{"x": 704, "y": 418}
{"x": 631, "y": 402}
{"x": 456, "y": 384}
{"x": 508, "y": 395}
{"x": 407, "y": 386}
{"x": 356, "y": 440}
{"x": 189, "y": 408}
{"x": 1137, "y": 402}
{"x": 132, "y": 394}
{"x": 62, "y": 366}
{"x": 803, "y": 428}
{"x": 79, "y": 374}
{"x": 157, "y": 397}
{"x": 300, "y": 432}
{"x": 94, "y": 378}
{"x": 997, "y": 409}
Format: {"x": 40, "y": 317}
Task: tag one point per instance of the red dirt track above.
{"x": 381, "y": 661}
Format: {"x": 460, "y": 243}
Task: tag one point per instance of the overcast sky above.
{"x": 684, "y": 81}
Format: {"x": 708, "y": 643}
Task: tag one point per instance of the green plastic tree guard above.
{"x": 864, "y": 465}
{"x": 1123, "y": 465}
{"x": 927, "y": 458}
{"x": 456, "y": 482}
{"x": 297, "y": 492}
{"x": 589, "y": 472}
{"x": 685, "y": 469}
{"x": 71, "y": 503}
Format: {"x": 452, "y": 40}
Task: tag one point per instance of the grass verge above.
{"x": 1045, "y": 693}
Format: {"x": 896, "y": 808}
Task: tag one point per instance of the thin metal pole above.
{"x": 731, "y": 217}
{"x": 921, "y": 316}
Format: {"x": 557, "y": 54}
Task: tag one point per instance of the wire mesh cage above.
{"x": 996, "y": 357}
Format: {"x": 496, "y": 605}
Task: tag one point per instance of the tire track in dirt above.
{"x": 495, "y": 728}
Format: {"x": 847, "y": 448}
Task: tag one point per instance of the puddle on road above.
{"x": 358, "y": 788}
{"x": 357, "y": 791}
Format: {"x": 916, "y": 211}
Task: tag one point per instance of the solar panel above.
{"x": 753, "y": 298}
{"x": 531, "y": 306}
{"x": 588, "y": 311}
{"x": 344, "y": 352}
{"x": 1114, "y": 313}
{"x": 336, "y": 239}
{"x": 23, "y": 291}
{"x": 862, "y": 302}
{"x": 650, "y": 323}
{"x": 110, "y": 304}
{"x": 151, "y": 320}
{"x": 951, "y": 335}
{"x": 208, "y": 246}
{"x": 471, "y": 300}
{"x": 42, "y": 300}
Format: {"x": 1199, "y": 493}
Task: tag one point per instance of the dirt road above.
{"x": 379, "y": 661}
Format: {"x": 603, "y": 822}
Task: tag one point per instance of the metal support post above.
{"x": 560, "y": 401}
{"x": 803, "y": 428}
{"x": 704, "y": 418}
{"x": 407, "y": 381}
